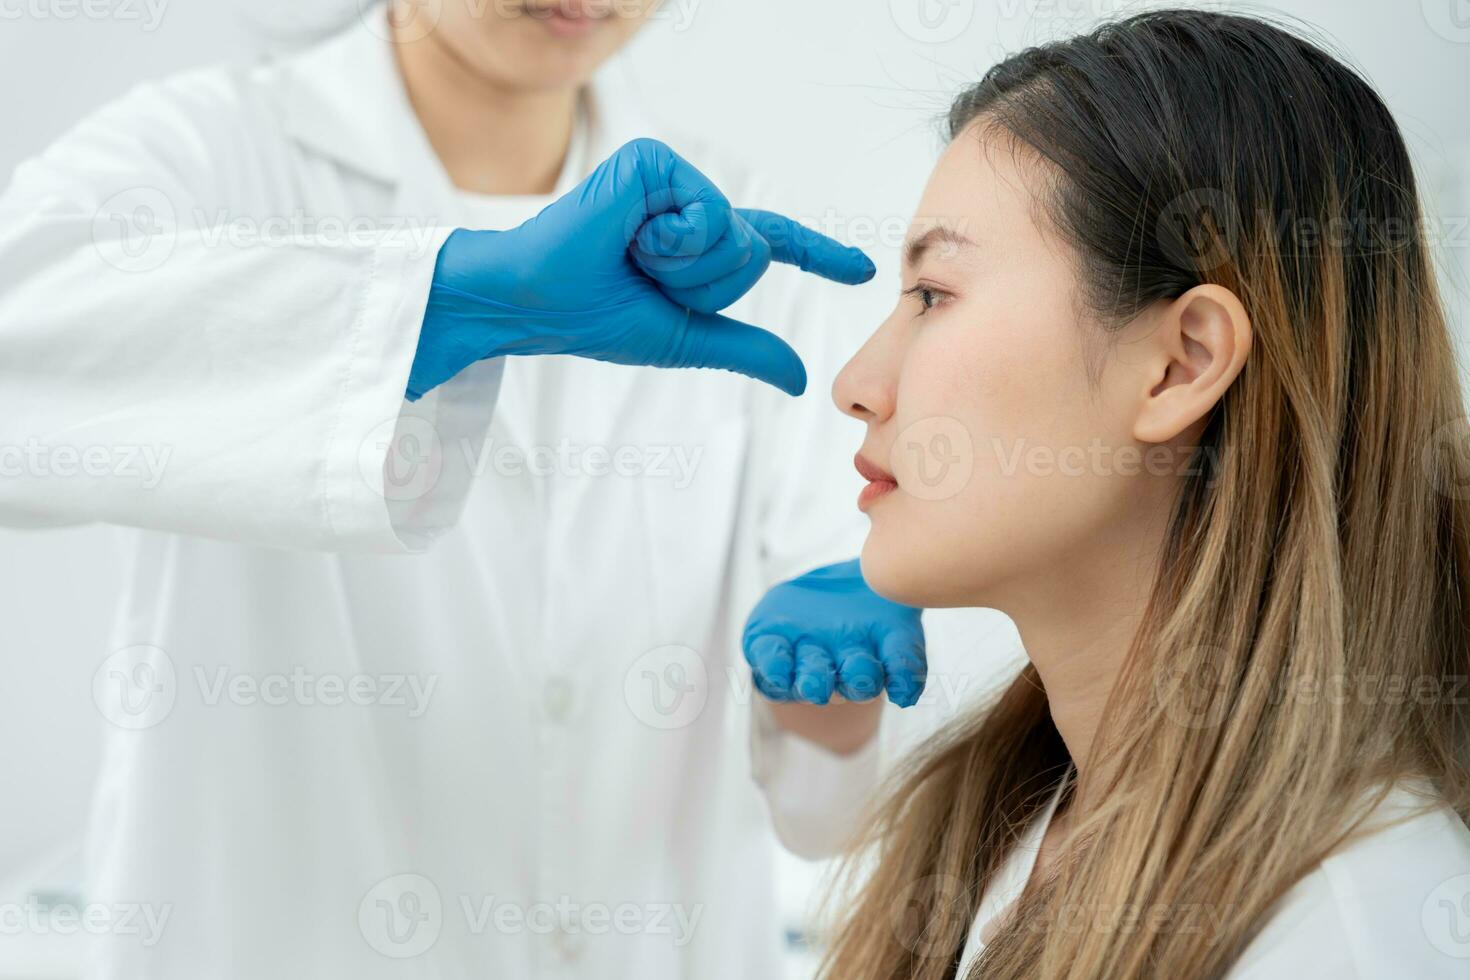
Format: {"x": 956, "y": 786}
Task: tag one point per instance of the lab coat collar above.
{"x": 346, "y": 100}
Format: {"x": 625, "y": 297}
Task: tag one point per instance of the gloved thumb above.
{"x": 715, "y": 341}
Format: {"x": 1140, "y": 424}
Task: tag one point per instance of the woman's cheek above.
{"x": 937, "y": 539}
{"x": 975, "y": 372}
{"x": 944, "y": 427}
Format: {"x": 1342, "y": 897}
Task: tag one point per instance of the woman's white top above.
{"x": 1393, "y": 905}
{"x": 1010, "y": 881}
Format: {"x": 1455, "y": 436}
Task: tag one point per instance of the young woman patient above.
{"x": 1169, "y": 383}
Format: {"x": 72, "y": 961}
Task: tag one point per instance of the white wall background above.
{"x": 839, "y": 99}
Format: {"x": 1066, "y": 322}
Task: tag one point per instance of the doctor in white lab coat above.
{"x": 447, "y": 689}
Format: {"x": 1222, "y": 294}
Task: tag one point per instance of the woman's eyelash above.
{"x": 927, "y": 295}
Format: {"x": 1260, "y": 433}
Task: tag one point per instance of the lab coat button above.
{"x": 556, "y": 699}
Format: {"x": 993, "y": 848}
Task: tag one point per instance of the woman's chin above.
{"x": 901, "y": 572}
{"x": 897, "y": 578}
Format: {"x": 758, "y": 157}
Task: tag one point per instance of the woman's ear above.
{"x": 1200, "y": 343}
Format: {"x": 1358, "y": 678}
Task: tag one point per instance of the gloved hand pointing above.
{"x": 827, "y": 632}
{"x": 632, "y": 267}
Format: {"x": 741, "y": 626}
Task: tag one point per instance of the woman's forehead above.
{"x": 980, "y": 187}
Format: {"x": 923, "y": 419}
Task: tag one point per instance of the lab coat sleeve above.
{"x": 175, "y": 355}
{"x": 817, "y": 799}
{"x": 806, "y": 502}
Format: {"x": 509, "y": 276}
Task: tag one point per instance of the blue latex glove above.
{"x": 631, "y": 266}
{"x": 827, "y": 631}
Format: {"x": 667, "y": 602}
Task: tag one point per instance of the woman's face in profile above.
{"x": 1009, "y": 462}
{"x": 533, "y": 45}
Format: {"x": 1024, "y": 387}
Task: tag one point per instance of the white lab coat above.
{"x": 1392, "y": 904}
{"x": 487, "y": 727}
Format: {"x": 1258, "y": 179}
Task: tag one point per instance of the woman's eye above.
{"x": 928, "y": 297}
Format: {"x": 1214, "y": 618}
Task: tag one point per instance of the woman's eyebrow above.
{"x": 938, "y": 235}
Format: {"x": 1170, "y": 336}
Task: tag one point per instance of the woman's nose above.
{"x": 865, "y": 387}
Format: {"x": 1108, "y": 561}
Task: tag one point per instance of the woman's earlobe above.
{"x": 1203, "y": 338}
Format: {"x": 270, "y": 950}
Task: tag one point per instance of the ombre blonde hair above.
{"x": 1305, "y": 646}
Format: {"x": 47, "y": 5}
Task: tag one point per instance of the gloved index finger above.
{"x": 905, "y": 666}
{"x": 809, "y": 250}
{"x": 772, "y": 663}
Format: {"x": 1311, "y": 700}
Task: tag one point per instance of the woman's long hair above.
{"x": 1305, "y": 643}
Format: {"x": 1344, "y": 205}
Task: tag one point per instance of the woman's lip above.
{"x": 875, "y": 490}
{"x": 871, "y": 471}
{"x": 880, "y": 481}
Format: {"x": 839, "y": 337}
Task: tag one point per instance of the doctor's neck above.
{"x": 491, "y": 140}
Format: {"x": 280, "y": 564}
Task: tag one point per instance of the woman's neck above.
{"x": 1078, "y": 663}
{"x": 490, "y": 140}
{"x": 1078, "y": 629}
